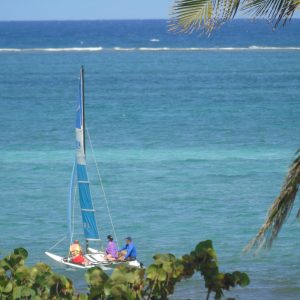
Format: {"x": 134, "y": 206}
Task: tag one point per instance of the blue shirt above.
{"x": 131, "y": 250}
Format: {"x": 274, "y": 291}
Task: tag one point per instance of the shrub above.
{"x": 156, "y": 282}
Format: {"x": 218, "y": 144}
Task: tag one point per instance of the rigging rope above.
{"x": 72, "y": 223}
{"x": 58, "y": 243}
{"x": 102, "y": 187}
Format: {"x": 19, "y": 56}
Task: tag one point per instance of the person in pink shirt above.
{"x": 111, "y": 249}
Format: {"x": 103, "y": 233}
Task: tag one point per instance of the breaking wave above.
{"x": 123, "y": 49}
{"x": 200, "y": 49}
{"x": 75, "y": 49}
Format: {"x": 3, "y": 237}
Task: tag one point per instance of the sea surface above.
{"x": 193, "y": 136}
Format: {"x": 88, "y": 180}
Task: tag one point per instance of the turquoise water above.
{"x": 191, "y": 144}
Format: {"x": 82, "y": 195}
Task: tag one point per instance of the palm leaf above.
{"x": 190, "y": 15}
{"x": 275, "y": 11}
{"x": 280, "y": 209}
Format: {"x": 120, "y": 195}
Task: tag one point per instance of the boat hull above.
{"x": 100, "y": 257}
{"x": 96, "y": 259}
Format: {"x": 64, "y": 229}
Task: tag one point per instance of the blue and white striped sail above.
{"x": 70, "y": 203}
{"x": 85, "y": 199}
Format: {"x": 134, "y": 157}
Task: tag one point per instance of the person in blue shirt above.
{"x": 128, "y": 252}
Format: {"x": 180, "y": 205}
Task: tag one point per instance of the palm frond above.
{"x": 190, "y": 15}
{"x": 275, "y": 11}
{"x": 280, "y": 209}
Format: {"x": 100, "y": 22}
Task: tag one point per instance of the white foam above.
{"x": 209, "y": 49}
{"x": 10, "y": 50}
{"x": 155, "y": 49}
{"x": 272, "y": 48}
{"x": 123, "y": 49}
{"x": 203, "y": 49}
{"x": 253, "y": 47}
{"x": 155, "y": 40}
{"x": 76, "y": 49}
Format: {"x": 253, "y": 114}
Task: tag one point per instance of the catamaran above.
{"x": 80, "y": 182}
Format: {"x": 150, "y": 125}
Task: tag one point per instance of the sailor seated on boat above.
{"x": 128, "y": 252}
{"x": 76, "y": 254}
{"x": 111, "y": 250}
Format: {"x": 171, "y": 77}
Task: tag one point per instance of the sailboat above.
{"x": 80, "y": 182}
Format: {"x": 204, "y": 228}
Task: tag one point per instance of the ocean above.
{"x": 193, "y": 136}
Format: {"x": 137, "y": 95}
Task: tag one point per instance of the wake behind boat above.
{"x": 80, "y": 182}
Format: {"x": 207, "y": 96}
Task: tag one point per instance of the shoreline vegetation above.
{"x": 156, "y": 282}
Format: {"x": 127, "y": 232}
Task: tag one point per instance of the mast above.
{"x": 83, "y": 124}
{"x": 83, "y": 104}
{"x": 85, "y": 198}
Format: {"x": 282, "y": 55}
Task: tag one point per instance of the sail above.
{"x": 85, "y": 199}
{"x": 70, "y": 203}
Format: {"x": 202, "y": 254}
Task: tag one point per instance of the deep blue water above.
{"x": 141, "y": 33}
{"x": 191, "y": 144}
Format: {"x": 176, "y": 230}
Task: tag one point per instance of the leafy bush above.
{"x": 38, "y": 282}
{"x": 156, "y": 282}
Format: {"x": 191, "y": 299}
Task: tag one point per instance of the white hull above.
{"x": 100, "y": 257}
{"x": 96, "y": 259}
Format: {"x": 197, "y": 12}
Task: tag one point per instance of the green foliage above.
{"x": 280, "y": 209}
{"x": 192, "y": 15}
{"x": 124, "y": 283}
{"x": 189, "y": 15}
{"x": 156, "y": 282}
{"x": 162, "y": 276}
{"x": 38, "y": 282}
{"x": 204, "y": 260}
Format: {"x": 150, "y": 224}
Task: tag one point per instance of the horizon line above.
{"x": 125, "y": 19}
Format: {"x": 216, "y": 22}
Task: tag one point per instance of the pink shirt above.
{"x": 112, "y": 249}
